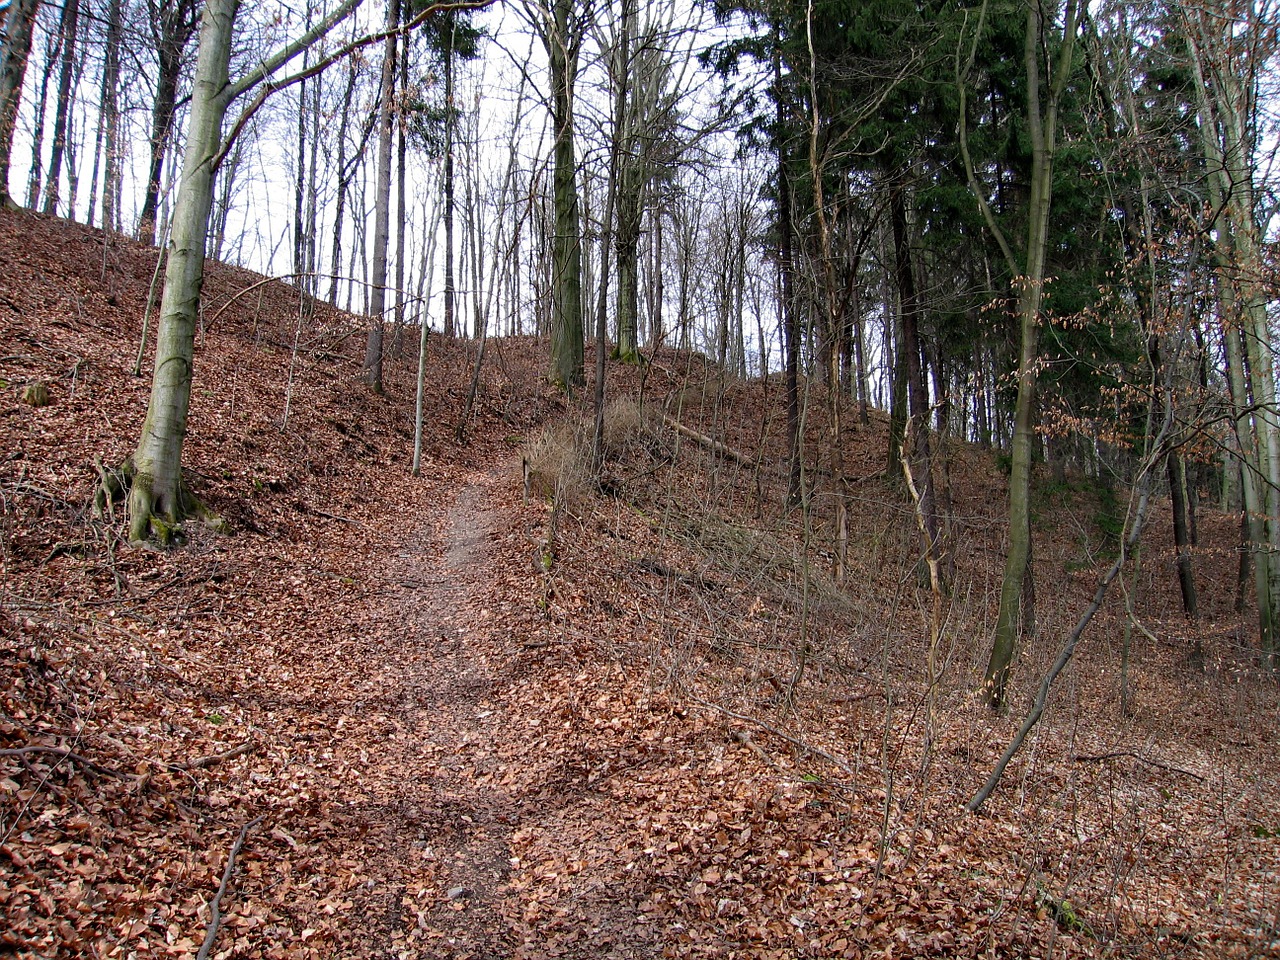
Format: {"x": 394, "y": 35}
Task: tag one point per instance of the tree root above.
{"x": 147, "y": 520}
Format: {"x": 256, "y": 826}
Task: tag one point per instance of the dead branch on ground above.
{"x": 215, "y": 913}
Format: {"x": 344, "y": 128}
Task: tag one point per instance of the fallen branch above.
{"x": 1067, "y": 651}
{"x": 710, "y": 443}
{"x": 726, "y": 451}
{"x": 202, "y": 762}
{"x": 1116, "y": 755}
{"x": 65, "y": 754}
{"x": 215, "y": 914}
{"x": 744, "y": 738}
{"x": 780, "y": 734}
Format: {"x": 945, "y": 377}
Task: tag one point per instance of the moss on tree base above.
{"x": 150, "y": 519}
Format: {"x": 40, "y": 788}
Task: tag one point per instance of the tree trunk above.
{"x": 300, "y": 181}
{"x": 1042, "y": 125}
{"x": 107, "y": 116}
{"x": 172, "y": 31}
{"x": 1226, "y": 85}
{"x": 19, "y": 28}
{"x": 381, "y": 211}
{"x": 621, "y": 77}
{"x": 345, "y": 171}
{"x": 450, "y": 317}
{"x": 567, "y": 345}
{"x": 917, "y": 395}
{"x": 52, "y": 53}
{"x": 402, "y": 254}
{"x": 1181, "y": 532}
{"x": 111, "y": 120}
{"x": 157, "y": 500}
{"x": 787, "y": 309}
{"x": 630, "y": 213}
{"x": 69, "y": 29}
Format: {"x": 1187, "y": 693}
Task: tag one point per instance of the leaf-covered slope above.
{"x": 638, "y": 723}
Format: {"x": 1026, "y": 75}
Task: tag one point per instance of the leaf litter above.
{"x": 459, "y": 750}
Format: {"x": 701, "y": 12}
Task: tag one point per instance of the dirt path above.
{"x": 437, "y": 824}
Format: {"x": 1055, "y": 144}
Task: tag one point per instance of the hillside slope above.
{"x": 448, "y": 721}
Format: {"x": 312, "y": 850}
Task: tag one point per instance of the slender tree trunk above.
{"x": 621, "y": 78}
{"x": 19, "y": 29}
{"x": 227, "y": 174}
{"x": 35, "y": 178}
{"x": 397, "y": 335}
{"x": 172, "y": 33}
{"x": 428, "y": 274}
{"x": 312, "y": 216}
{"x": 567, "y": 344}
{"x": 74, "y": 144}
{"x": 300, "y": 179}
{"x": 1226, "y": 86}
{"x": 478, "y": 242}
{"x": 657, "y": 274}
{"x": 70, "y": 28}
{"x": 345, "y": 172}
{"x": 111, "y": 119}
{"x": 157, "y": 499}
{"x": 1042, "y": 125}
{"x": 909, "y": 347}
{"x": 787, "y": 309}
{"x": 381, "y": 211}
{"x": 1181, "y": 533}
{"x": 107, "y": 117}
{"x": 450, "y": 318}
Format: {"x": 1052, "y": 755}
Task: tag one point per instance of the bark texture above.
{"x": 158, "y": 501}
{"x": 13, "y": 68}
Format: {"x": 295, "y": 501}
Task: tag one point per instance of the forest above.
{"x": 590, "y": 478}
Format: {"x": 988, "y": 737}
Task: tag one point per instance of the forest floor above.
{"x": 457, "y": 716}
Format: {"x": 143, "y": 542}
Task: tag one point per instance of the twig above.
{"x": 744, "y": 738}
{"x": 780, "y": 734}
{"x": 215, "y": 914}
{"x": 65, "y": 754}
{"x": 202, "y": 762}
{"x": 1099, "y": 758}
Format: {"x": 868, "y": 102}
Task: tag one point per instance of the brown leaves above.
{"x": 373, "y": 663}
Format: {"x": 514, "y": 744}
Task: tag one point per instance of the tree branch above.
{"x": 215, "y": 914}
{"x": 65, "y": 754}
{"x": 263, "y": 73}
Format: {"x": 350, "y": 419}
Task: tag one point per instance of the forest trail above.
{"x": 435, "y": 823}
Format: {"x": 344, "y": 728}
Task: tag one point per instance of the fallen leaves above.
{"x": 456, "y": 752}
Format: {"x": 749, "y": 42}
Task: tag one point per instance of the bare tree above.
{"x": 561, "y": 28}
{"x": 19, "y": 27}
{"x": 1048, "y": 49}
{"x": 69, "y": 28}
{"x": 173, "y": 24}
{"x": 382, "y": 208}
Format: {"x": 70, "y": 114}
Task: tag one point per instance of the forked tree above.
{"x": 158, "y": 498}
{"x": 1048, "y": 48}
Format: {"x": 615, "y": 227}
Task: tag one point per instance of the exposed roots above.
{"x": 152, "y": 518}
